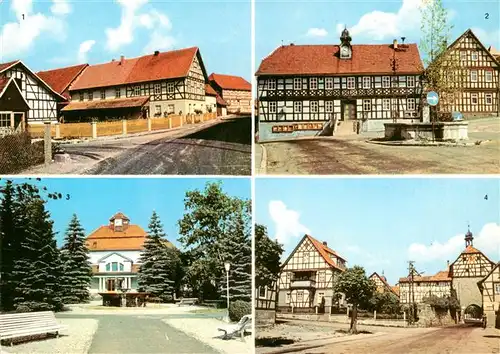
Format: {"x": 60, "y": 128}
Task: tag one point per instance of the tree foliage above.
{"x": 215, "y": 229}
{"x": 357, "y": 289}
{"x": 77, "y": 269}
{"x": 267, "y": 257}
{"x": 385, "y": 302}
{"x": 442, "y": 303}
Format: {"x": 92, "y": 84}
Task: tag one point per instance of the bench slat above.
{"x": 30, "y": 330}
{"x": 29, "y": 323}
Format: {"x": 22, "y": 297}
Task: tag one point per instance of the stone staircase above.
{"x": 345, "y": 128}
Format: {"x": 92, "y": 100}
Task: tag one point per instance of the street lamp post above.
{"x": 227, "y": 266}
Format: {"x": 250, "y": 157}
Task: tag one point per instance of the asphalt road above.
{"x": 221, "y": 149}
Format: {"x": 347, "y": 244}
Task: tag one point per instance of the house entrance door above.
{"x": 349, "y": 111}
{"x": 111, "y": 285}
{"x": 18, "y": 122}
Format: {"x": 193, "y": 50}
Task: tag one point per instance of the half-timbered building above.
{"x": 114, "y": 252}
{"x": 490, "y": 291}
{"x": 322, "y": 89}
{"x": 41, "y": 98}
{"x": 265, "y": 304}
{"x": 235, "y": 90}
{"x": 381, "y": 283}
{"x": 466, "y": 271}
{"x": 415, "y": 289}
{"x": 215, "y": 103}
{"x": 478, "y": 92}
{"x": 153, "y": 85}
{"x": 13, "y": 107}
{"x": 306, "y": 280}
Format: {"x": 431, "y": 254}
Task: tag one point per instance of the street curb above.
{"x": 424, "y": 144}
{"x": 263, "y": 161}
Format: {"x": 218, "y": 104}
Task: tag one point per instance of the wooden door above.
{"x": 110, "y": 285}
{"x": 349, "y": 111}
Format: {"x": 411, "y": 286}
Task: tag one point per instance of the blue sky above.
{"x": 95, "y": 200}
{"x": 60, "y": 33}
{"x": 382, "y": 223}
{"x": 376, "y": 22}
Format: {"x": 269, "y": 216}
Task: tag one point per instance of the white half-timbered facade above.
{"x": 306, "y": 280}
{"x": 381, "y": 283}
{"x": 479, "y": 75}
{"x": 417, "y": 289}
{"x": 466, "y": 271}
{"x": 41, "y": 98}
{"x": 235, "y": 90}
{"x": 154, "y": 85}
{"x": 265, "y": 304}
{"x": 327, "y": 89}
{"x": 490, "y": 291}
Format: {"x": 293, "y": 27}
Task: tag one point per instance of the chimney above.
{"x": 448, "y": 264}
{"x": 325, "y": 244}
{"x": 395, "y": 44}
{"x": 122, "y": 59}
{"x": 403, "y": 40}
{"x": 157, "y": 52}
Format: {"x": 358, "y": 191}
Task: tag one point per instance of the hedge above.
{"x": 238, "y": 309}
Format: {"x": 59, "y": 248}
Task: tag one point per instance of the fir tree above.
{"x": 158, "y": 264}
{"x": 76, "y": 265}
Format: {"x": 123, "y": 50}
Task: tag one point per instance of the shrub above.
{"x": 17, "y": 153}
{"x": 238, "y": 309}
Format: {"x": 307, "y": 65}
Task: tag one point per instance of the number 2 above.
{"x": 486, "y": 16}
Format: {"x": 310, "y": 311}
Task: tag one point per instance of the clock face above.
{"x": 344, "y": 51}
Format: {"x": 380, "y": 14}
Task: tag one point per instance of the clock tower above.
{"x": 345, "y": 45}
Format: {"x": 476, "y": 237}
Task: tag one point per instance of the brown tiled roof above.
{"x": 325, "y": 252}
{"x": 395, "y": 289}
{"x": 107, "y": 104}
{"x": 221, "y": 101}
{"x": 209, "y": 91}
{"x": 324, "y": 60}
{"x": 230, "y": 82}
{"x": 119, "y": 215}
{"x": 60, "y": 79}
{"x": 441, "y": 276}
{"x": 167, "y": 65}
{"x": 4, "y": 66}
{"x": 106, "y": 238}
{"x": 3, "y": 82}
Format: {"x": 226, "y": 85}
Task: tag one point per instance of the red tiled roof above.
{"x": 3, "y": 82}
{"x": 441, "y": 276}
{"x": 60, "y": 79}
{"x": 209, "y": 91}
{"x": 221, "y": 101}
{"x": 325, "y": 252}
{"x": 119, "y": 215}
{"x": 230, "y": 82}
{"x": 324, "y": 60}
{"x": 383, "y": 279}
{"x": 167, "y": 65}
{"x": 107, "y": 104}
{"x": 4, "y": 66}
{"x": 395, "y": 289}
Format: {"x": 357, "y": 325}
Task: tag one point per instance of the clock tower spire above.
{"x": 345, "y": 45}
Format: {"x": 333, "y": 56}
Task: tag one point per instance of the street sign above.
{"x": 457, "y": 116}
{"x": 432, "y": 98}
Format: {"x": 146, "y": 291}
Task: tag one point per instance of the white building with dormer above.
{"x": 115, "y": 250}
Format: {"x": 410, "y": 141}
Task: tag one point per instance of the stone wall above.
{"x": 341, "y": 319}
{"x": 424, "y": 131}
{"x": 428, "y": 317}
{"x": 265, "y": 317}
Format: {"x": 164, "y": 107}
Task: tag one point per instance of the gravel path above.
{"x": 76, "y": 339}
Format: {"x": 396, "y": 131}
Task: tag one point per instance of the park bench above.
{"x": 18, "y": 325}
{"x": 244, "y": 325}
{"x": 188, "y": 301}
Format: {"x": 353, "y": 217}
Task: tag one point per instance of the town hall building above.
{"x": 307, "y": 90}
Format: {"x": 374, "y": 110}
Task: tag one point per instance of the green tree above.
{"x": 158, "y": 263}
{"x": 384, "y": 302}
{"x": 77, "y": 273}
{"x": 357, "y": 289}
{"x": 267, "y": 258}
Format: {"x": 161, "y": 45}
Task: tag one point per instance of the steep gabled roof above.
{"x": 383, "y": 279}
{"x": 230, "y": 82}
{"x": 470, "y": 32}
{"x": 161, "y": 66}
{"x": 61, "y": 79}
{"x": 471, "y": 250}
{"x": 209, "y": 91}
{"x": 395, "y": 289}
{"x": 325, "y": 60}
{"x": 4, "y": 85}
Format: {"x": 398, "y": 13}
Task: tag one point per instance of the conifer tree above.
{"x": 76, "y": 265}
{"x": 158, "y": 264}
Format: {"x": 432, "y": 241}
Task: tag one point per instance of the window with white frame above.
{"x": 5, "y": 120}
{"x": 351, "y": 83}
{"x": 463, "y": 55}
{"x": 272, "y": 107}
{"x": 473, "y": 98}
{"x": 367, "y": 105}
{"x": 158, "y": 110}
{"x": 474, "y": 56}
{"x": 103, "y": 94}
{"x": 329, "y": 106}
{"x": 386, "y": 104}
{"x": 314, "y": 106}
{"x": 137, "y": 90}
{"x": 473, "y": 75}
{"x": 321, "y": 276}
{"x": 297, "y": 83}
{"x": 297, "y": 106}
{"x": 410, "y": 104}
{"x": 410, "y": 81}
{"x": 488, "y": 99}
{"x": 157, "y": 89}
{"x": 305, "y": 257}
{"x": 271, "y": 84}
{"x": 313, "y": 83}
{"x": 386, "y": 81}
{"x": 114, "y": 267}
{"x": 488, "y": 76}
{"x": 300, "y": 295}
{"x": 366, "y": 82}
{"x": 170, "y": 87}
{"x": 91, "y": 95}
{"x": 118, "y": 92}
{"x": 263, "y": 292}
{"x": 80, "y": 96}
{"x": 329, "y": 83}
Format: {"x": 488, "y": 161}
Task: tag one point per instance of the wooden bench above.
{"x": 17, "y": 325}
{"x": 188, "y": 301}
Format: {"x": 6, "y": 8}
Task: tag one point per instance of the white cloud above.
{"x": 488, "y": 38}
{"x": 286, "y": 222}
{"x": 131, "y": 20}
{"x": 60, "y": 7}
{"x": 317, "y": 32}
{"x": 488, "y": 241}
{"x": 368, "y": 258}
{"x": 85, "y": 47}
{"x": 18, "y": 37}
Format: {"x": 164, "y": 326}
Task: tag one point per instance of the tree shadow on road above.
{"x": 238, "y": 130}
{"x": 272, "y": 341}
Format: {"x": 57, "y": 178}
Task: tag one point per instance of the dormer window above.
{"x": 118, "y": 224}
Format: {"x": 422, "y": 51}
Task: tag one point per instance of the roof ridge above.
{"x": 63, "y": 68}
{"x": 145, "y": 55}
